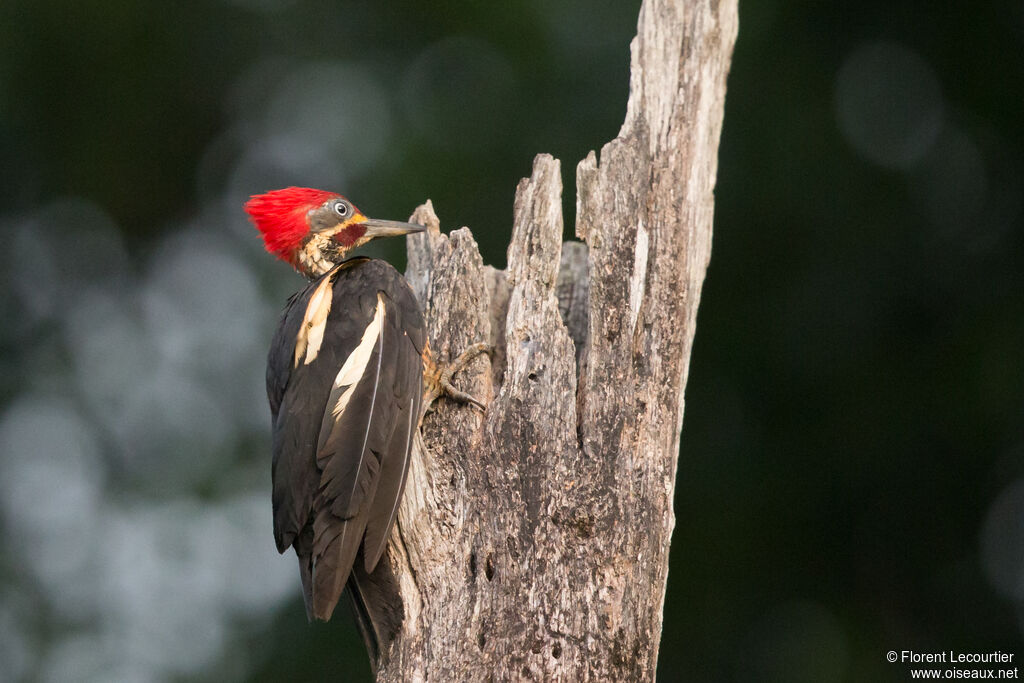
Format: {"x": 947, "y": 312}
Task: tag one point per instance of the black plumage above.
{"x": 341, "y": 449}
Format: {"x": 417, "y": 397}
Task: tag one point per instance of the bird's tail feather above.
{"x": 364, "y": 620}
{"x": 377, "y": 607}
{"x": 306, "y": 573}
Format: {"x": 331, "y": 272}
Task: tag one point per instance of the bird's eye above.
{"x": 341, "y": 209}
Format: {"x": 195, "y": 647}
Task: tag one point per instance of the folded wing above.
{"x": 346, "y": 414}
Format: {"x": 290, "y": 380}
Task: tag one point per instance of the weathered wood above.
{"x": 532, "y": 541}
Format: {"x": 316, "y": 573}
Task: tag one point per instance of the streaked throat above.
{"x": 312, "y": 259}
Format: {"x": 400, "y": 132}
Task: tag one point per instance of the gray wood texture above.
{"x": 533, "y": 538}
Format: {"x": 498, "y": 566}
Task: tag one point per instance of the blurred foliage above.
{"x": 852, "y": 453}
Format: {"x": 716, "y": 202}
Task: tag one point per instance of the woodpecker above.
{"x": 345, "y": 381}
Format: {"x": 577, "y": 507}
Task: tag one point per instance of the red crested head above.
{"x": 314, "y": 230}
{"x": 282, "y": 217}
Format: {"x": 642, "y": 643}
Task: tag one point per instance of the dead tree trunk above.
{"x": 533, "y": 539}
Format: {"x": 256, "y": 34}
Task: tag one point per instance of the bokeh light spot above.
{"x": 1002, "y": 542}
{"x": 889, "y": 104}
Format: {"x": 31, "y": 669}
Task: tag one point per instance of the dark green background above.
{"x": 849, "y": 477}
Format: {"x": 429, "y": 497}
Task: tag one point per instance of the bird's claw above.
{"x": 439, "y": 379}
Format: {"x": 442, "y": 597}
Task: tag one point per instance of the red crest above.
{"x": 281, "y": 217}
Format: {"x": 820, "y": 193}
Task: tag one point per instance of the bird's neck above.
{"x": 317, "y": 256}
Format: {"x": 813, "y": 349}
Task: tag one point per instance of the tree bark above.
{"x": 532, "y": 541}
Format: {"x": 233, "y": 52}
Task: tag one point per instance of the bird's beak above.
{"x": 380, "y": 228}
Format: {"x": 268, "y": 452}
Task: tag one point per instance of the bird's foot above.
{"x": 437, "y": 378}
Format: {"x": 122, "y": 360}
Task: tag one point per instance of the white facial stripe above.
{"x": 355, "y": 364}
{"x": 311, "y": 334}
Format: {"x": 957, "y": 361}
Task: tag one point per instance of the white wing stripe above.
{"x": 378, "y": 318}
{"x": 314, "y": 321}
{"x": 355, "y": 364}
{"x": 369, "y": 419}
